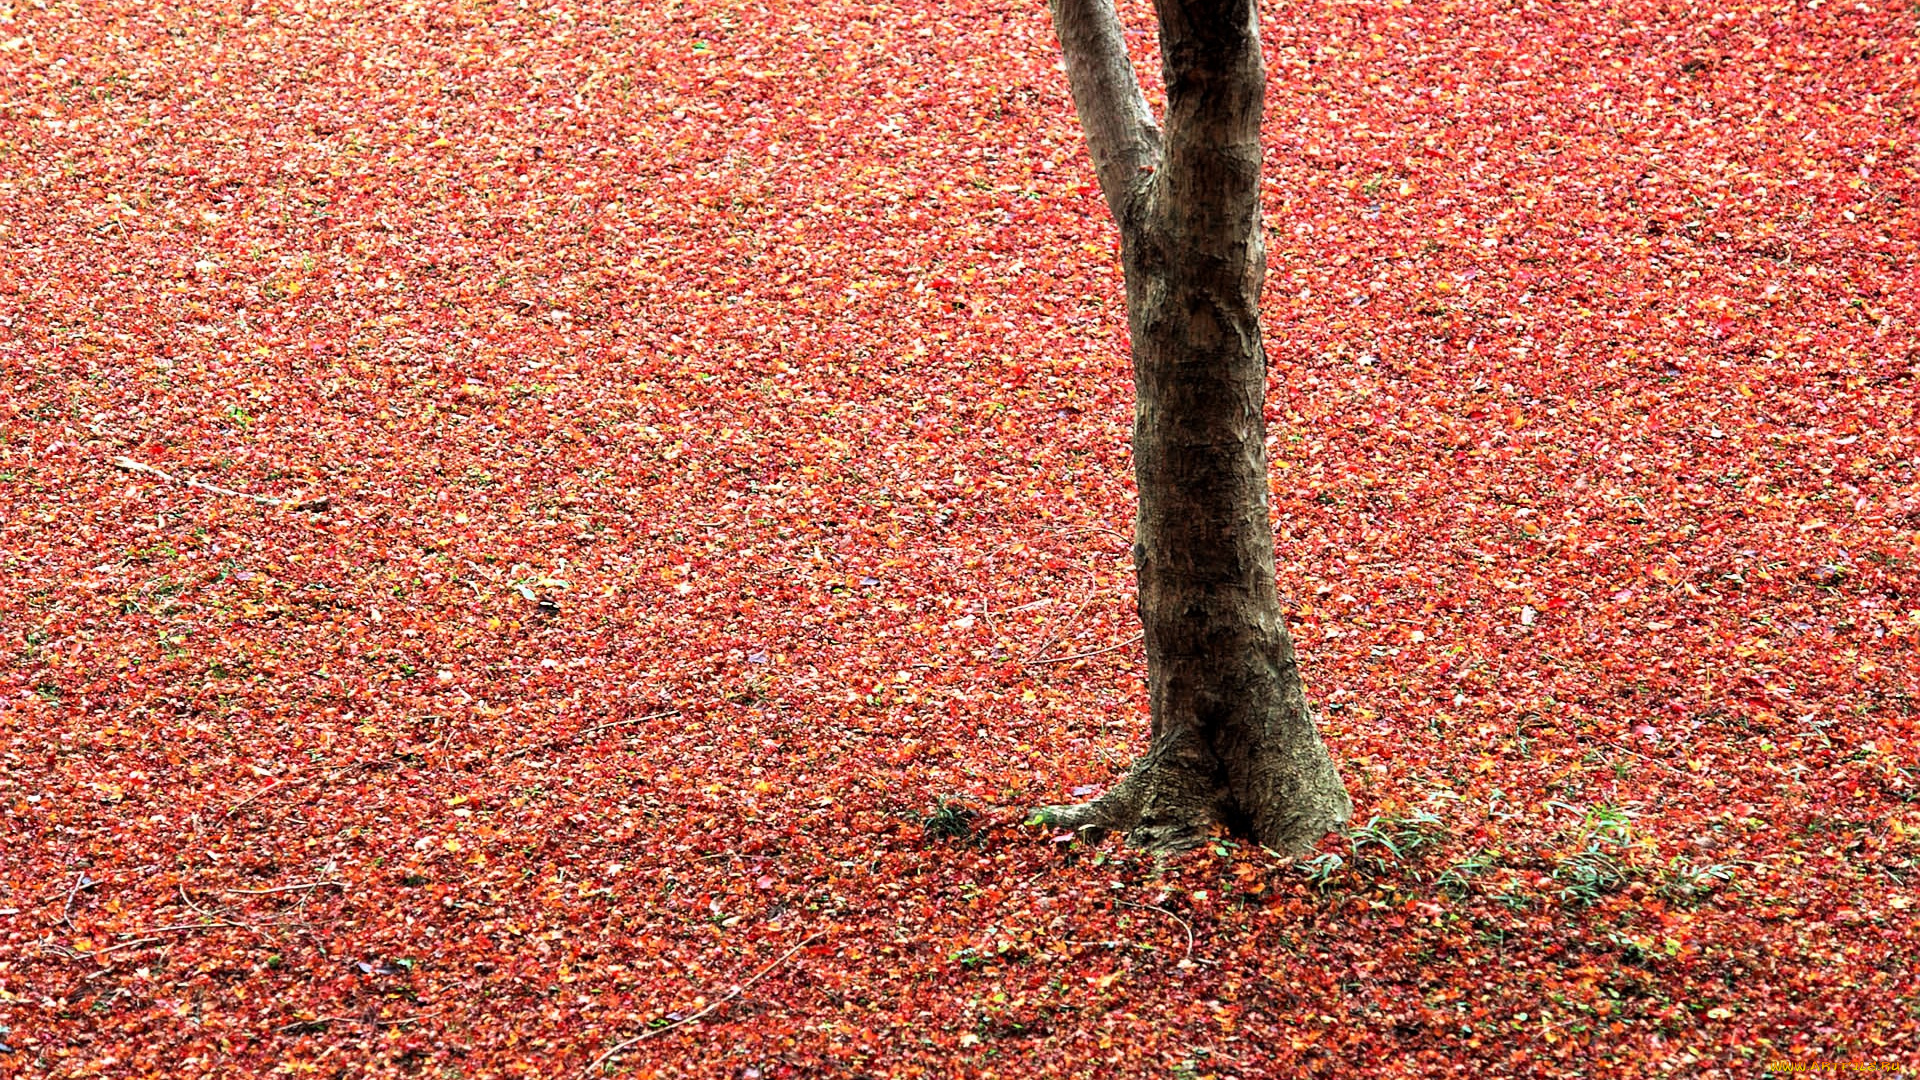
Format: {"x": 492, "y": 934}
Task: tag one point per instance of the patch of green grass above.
{"x": 1320, "y": 870}
{"x": 949, "y": 820}
{"x": 1402, "y": 835}
{"x": 1589, "y": 874}
{"x": 967, "y": 958}
{"x": 1599, "y": 863}
{"x": 1457, "y": 880}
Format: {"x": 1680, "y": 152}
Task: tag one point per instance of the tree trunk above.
{"x": 1234, "y": 741}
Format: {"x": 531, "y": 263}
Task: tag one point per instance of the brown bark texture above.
{"x": 1234, "y": 741}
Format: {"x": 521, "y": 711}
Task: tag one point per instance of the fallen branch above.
{"x": 316, "y": 502}
{"x": 1082, "y": 655}
{"x": 305, "y": 885}
{"x": 583, "y": 732}
{"x": 737, "y": 991}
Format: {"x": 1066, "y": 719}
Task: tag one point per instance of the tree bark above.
{"x": 1234, "y": 741}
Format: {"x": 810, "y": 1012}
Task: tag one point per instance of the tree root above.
{"x": 1178, "y": 792}
{"x": 1167, "y": 803}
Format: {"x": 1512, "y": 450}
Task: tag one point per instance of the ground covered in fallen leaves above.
{"x": 700, "y": 437}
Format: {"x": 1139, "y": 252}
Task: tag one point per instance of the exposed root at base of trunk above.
{"x": 1093, "y": 822}
{"x": 1171, "y": 801}
{"x": 1160, "y": 806}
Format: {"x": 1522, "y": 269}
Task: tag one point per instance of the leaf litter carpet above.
{"x": 664, "y": 509}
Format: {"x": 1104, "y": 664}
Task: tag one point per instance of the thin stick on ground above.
{"x": 993, "y": 631}
{"x": 284, "y": 781}
{"x": 302, "y": 887}
{"x": 1126, "y": 542}
{"x": 310, "y": 502}
{"x": 66, "y": 910}
{"x": 291, "y": 781}
{"x": 1184, "y": 924}
{"x": 321, "y": 1021}
{"x": 583, "y": 733}
{"x": 1053, "y": 633}
{"x": 737, "y": 991}
{"x": 181, "y": 928}
{"x": 1082, "y": 655}
{"x": 210, "y": 916}
{"x": 134, "y": 944}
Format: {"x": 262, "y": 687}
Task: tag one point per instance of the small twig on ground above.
{"x": 1053, "y": 633}
{"x": 1184, "y": 925}
{"x": 1045, "y": 601}
{"x": 180, "y": 928}
{"x": 284, "y": 1028}
{"x": 289, "y": 781}
{"x": 220, "y": 918}
{"x": 490, "y": 575}
{"x": 1126, "y": 542}
{"x": 312, "y": 502}
{"x": 66, "y": 910}
{"x": 737, "y": 991}
{"x": 1082, "y": 655}
{"x": 198, "y": 910}
{"x": 992, "y": 630}
{"x": 584, "y": 732}
{"x": 282, "y": 782}
{"x": 303, "y": 886}
{"x": 446, "y": 729}
{"x": 123, "y": 945}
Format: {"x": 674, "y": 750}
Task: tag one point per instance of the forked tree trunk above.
{"x": 1234, "y": 741}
